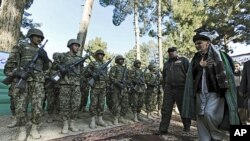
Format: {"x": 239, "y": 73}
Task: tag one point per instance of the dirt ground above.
{"x": 140, "y": 131}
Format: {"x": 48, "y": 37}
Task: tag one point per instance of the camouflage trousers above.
{"x": 109, "y": 98}
{"x": 120, "y": 105}
{"x": 151, "y": 99}
{"x": 137, "y": 101}
{"x": 69, "y": 101}
{"x": 34, "y": 93}
{"x": 52, "y": 100}
{"x": 12, "y": 99}
{"x": 97, "y": 101}
{"x": 84, "y": 98}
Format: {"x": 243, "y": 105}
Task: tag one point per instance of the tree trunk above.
{"x": 159, "y": 34}
{"x": 11, "y": 13}
{"x": 137, "y": 32}
{"x": 82, "y": 34}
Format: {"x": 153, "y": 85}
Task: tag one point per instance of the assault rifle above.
{"x": 29, "y": 69}
{"x": 124, "y": 79}
{"x": 68, "y": 68}
{"x": 142, "y": 78}
{"x": 100, "y": 71}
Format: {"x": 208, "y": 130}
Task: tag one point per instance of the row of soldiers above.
{"x": 66, "y": 82}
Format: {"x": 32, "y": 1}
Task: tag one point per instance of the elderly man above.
{"x": 210, "y": 94}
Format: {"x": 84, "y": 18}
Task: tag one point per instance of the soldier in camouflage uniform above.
{"x": 84, "y": 92}
{"x": 9, "y": 66}
{"x": 52, "y": 91}
{"x": 152, "y": 79}
{"x": 119, "y": 96}
{"x": 98, "y": 91}
{"x": 69, "y": 97}
{"x": 136, "y": 77}
{"x": 20, "y": 56}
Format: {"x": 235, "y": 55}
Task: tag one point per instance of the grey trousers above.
{"x": 210, "y": 108}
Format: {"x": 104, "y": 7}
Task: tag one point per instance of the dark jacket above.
{"x": 244, "y": 85}
{"x": 175, "y": 72}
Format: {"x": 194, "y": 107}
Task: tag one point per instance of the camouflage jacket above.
{"x": 116, "y": 74}
{"x": 20, "y": 56}
{"x": 134, "y": 75}
{"x": 102, "y": 80}
{"x": 64, "y": 59}
{"x": 152, "y": 80}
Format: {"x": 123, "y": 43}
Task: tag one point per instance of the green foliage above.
{"x": 146, "y": 50}
{"x": 233, "y": 24}
{"x": 185, "y": 17}
{"x": 96, "y": 44}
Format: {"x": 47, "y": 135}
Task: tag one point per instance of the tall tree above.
{"x": 11, "y": 13}
{"x": 184, "y": 17}
{"x": 127, "y": 7}
{"x": 137, "y": 31}
{"x": 147, "y": 54}
{"x": 159, "y": 31}
{"x": 233, "y": 24}
{"x": 86, "y": 15}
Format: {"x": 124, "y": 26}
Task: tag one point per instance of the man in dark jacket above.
{"x": 174, "y": 77}
{"x": 245, "y": 87}
{"x": 210, "y": 93}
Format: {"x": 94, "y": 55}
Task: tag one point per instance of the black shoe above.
{"x": 160, "y": 133}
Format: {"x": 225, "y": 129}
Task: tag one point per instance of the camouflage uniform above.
{"x": 21, "y": 55}
{"x": 69, "y": 97}
{"x": 52, "y": 92}
{"x": 119, "y": 100}
{"x": 9, "y": 67}
{"x": 84, "y": 92}
{"x": 152, "y": 81}
{"x": 138, "y": 90}
{"x": 98, "y": 91}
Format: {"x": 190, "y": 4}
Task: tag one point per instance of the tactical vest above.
{"x": 73, "y": 76}
{"x": 27, "y": 53}
{"x": 101, "y": 83}
{"x": 119, "y": 71}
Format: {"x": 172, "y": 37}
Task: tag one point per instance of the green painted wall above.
{"x": 4, "y": 98}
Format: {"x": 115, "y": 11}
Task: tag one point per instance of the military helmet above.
{"x": 73, "y": 41}
{"x": 99, "y": 51}
{"x": 137, "y": 61}
{"x": 56, "y": 55}
{"x": 35, "y": 31}
{"x": 151, "y": 66}
{"x": 119, "y": 57}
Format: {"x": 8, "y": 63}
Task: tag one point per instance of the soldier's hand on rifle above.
{"x": 121, "y": 85}
{"x": 95, "y": 76}
{"x": 63, "y": 70}
{"x": 22, "y": 74}
{"x": 43, "y": 54}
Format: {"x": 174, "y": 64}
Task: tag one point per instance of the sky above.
{"x": 60, "y": 21}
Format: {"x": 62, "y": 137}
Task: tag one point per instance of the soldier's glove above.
{"x": 121, "y": 85}
{"x": 63, "y": 70}
{"x": 22, "y": 74}
{"x": 95, "y": 76}
{"x": 43, "y": 55}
